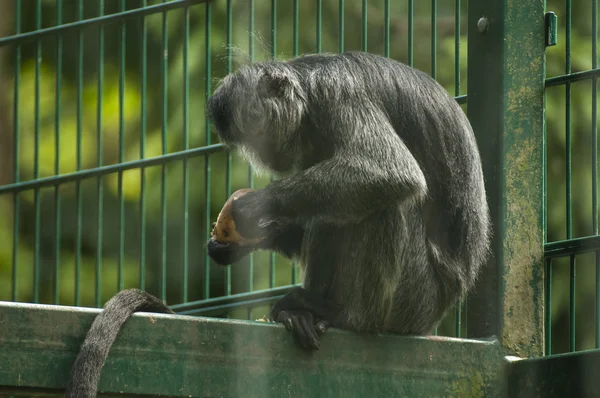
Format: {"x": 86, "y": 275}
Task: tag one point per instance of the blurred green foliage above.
{"x": 77, "y": 115}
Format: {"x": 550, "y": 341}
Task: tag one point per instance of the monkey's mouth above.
{"x": 224, "y": 253}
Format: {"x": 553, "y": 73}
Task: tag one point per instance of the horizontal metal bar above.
{"x": 572, "y": 77}
{"x": 103, "y": 20}
{"x": 201, "y": 306}
{"x": 572, "y": 246}
{"x": 113, "y": 168}
{"x": 461, "y": 99}
{"x": 215, "y": 310}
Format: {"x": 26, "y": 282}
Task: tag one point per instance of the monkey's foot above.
{"x": 302, "y": 326}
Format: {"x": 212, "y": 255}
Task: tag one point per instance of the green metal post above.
{"x": 100, "y": 152}
{"x": 434, "y": 39}
{"x": 341, "y": 26}
{"x": 57, "y": 198}
{"x": 186, "y": 145}
{"x": 458, "y": 324}
{"x": 16, "y": 158}
{"x": 274, "y": 56}
{"x": 122, "y": 49}
{"x": 78, "y": 191}
{"x": 364, "y": 25}
{"x": 36, "y": 155}
{"x": 207, "y": 141}
{"x": 143, "y": 125}
{"x": 595, "y": 160}
{"x": 250, "y": 171}
{"x": 411, "y": 31}
{"x": 164, "y": 122}
{"x": 319, "y": 25}
{"x": 229, "y": 15}
{"x": 506, "y": 108}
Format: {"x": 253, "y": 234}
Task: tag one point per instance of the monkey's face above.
{"x": 259, "y": 109}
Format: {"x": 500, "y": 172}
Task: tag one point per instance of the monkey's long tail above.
{"x": 85, "y": 373}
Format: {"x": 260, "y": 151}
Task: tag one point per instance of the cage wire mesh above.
{"x": 111, "y": 175}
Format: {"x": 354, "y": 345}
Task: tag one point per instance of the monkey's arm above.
{"x": 371, "y": 171}
{"x": 285, "y": 239}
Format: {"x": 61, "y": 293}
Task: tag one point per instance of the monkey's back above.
{"x": 434, "y": 128}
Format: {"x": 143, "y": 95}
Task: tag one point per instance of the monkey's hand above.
{"x": 252, "y": 214}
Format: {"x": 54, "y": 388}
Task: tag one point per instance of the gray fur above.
{"x": 385, "y": 184}
{"x": 85, "y": 372}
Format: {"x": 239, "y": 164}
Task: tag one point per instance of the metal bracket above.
{"x": 551, "y": 29}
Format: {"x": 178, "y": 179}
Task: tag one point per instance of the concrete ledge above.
{"x": 183, "y": 356}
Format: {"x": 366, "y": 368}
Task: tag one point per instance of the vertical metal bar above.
{"x": 295, "y": 53}
{"x": 595, "y": 159}
{"x": 57, "y": 199}
{"x": 163, "y": 193}
{"x": 36, "y": 155}
{"x": 364, "y": 25}
{"x": 341, "y": 26}
{"x": 319, "y": 24}
{"x": 569, "y": 209}
{"x": 503, "y": 101}
{"x": 295, "y": 34}
{"x": 78, "y": 192}
{"x": 411, "y": 31}
{"x": 434, "y": 38}
{"x": 548, "y": 307}
{"x": 250, "y": 171}
{"x": 457, "y": 48}
{"x": 274, "y": 56}
{"x": 186, "y": 144}
{"x": 143, "y": 78}
{"x": 122, "y": 49}
{"x": 100, "y": 155}
{"x": 207, "y": 168}
{"x": 16, "y": 157}
{"x": 386, "y": 17}
{"x": 229, "y": 16}
{"x": 459, "y": 305}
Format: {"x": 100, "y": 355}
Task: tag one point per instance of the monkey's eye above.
{"x": 226, "y": 234}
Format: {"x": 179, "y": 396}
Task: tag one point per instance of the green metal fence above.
{"x": 572, "y": 245}
{"x": 112, "y": 176}
{"x": 144, "y": 178}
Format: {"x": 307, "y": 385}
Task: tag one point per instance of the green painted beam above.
{"x": 506, "y": 109}
{"x": 183, "y": 356}
{"x": 566, "y": 375}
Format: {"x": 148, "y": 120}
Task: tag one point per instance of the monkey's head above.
{"x": 258, "y": 110}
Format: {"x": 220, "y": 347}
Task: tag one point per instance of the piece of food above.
{"x": 224, "y": 228}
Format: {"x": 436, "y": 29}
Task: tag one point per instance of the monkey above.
{"x": 85, "y": 372}
{"x": 381, "y": 198}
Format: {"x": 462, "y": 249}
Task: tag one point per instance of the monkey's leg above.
{"x": 309, "y": 310}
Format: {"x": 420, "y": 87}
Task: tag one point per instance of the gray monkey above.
{"x": 382, "y": 201}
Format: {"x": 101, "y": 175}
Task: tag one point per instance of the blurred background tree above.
{"x": 87, "y": 230}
